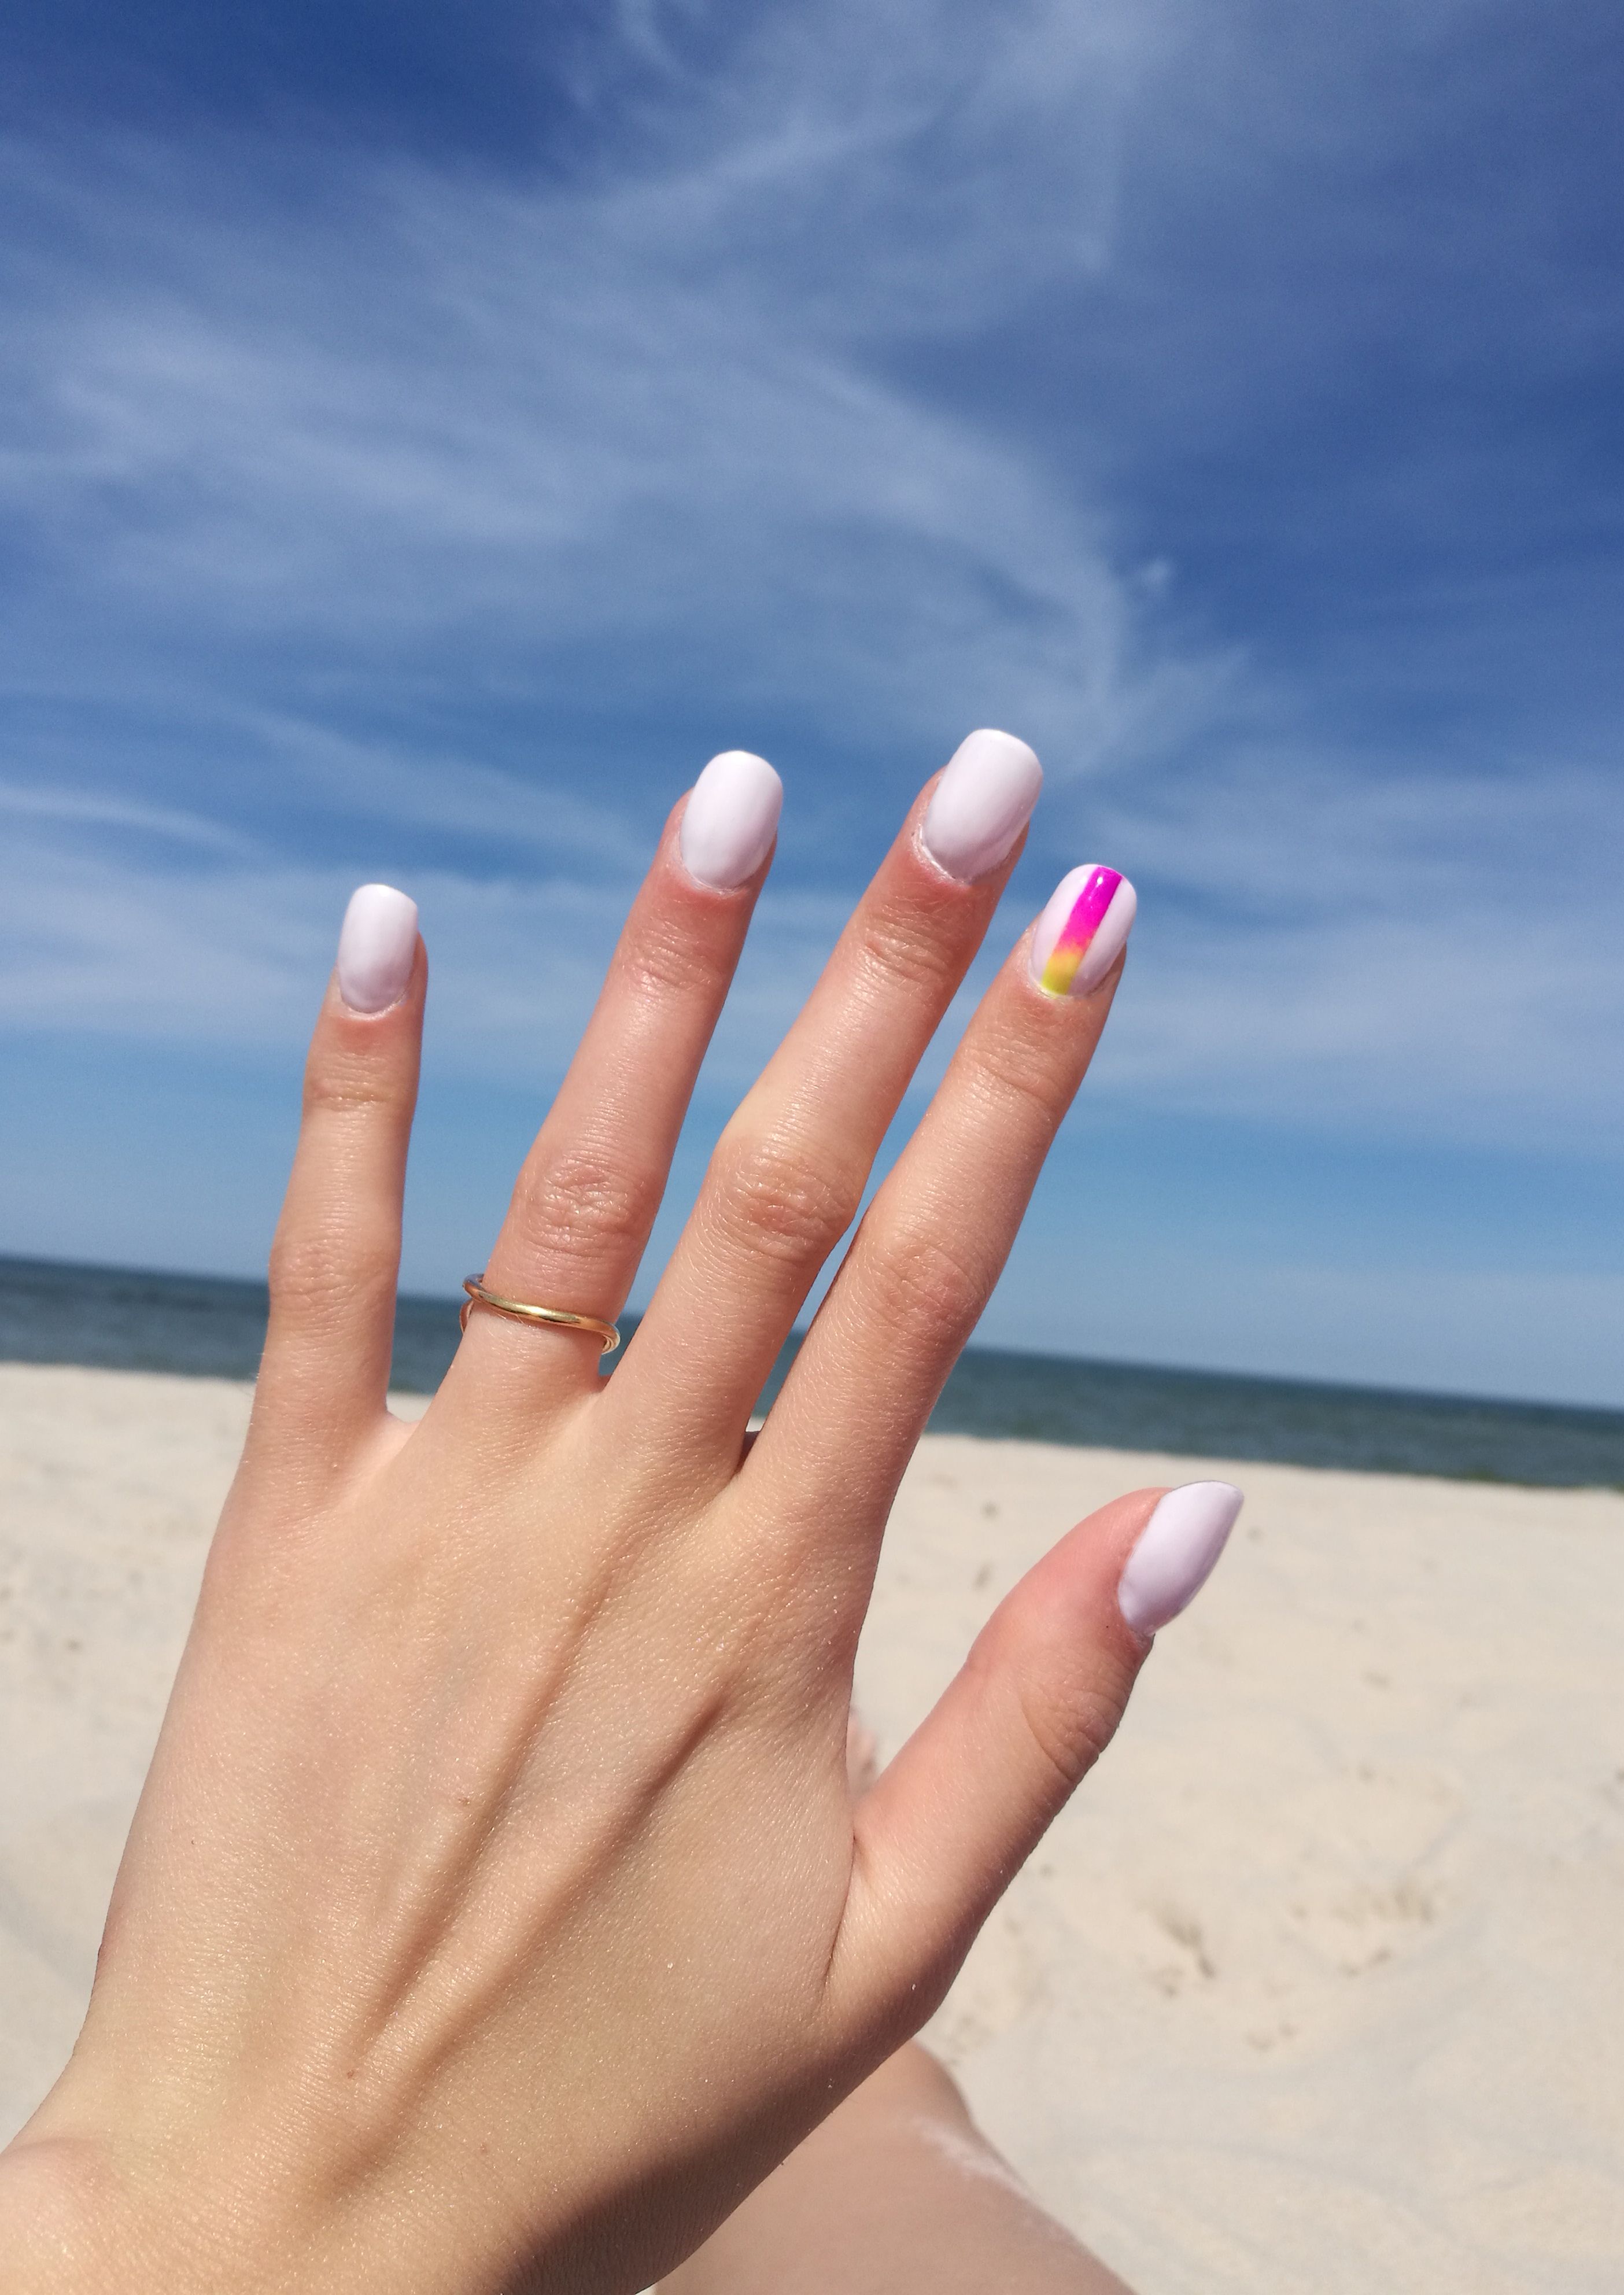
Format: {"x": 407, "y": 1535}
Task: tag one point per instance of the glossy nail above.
{"x": 1177, "y": 1553}
{"x": 376, "y": 946}
{"x": 1081, "y": 934}
{"x": 981, "y": 803}
{"x": 731, "y": 820}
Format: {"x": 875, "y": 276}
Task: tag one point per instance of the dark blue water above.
{"x": 126, "y": 1319}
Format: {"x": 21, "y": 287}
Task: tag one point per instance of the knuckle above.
{"x": 930, "y": 1290}
{"x": 902, "y": 944}
{"x": 345, "y": 1083}
{"x": 584, "y": 1205}
{"x": 1012, "y": 1087}
{"x": 668, "y": 965}
{"x": 782, "y": 1199}
{"x": 1068, "y": 1712}
{"x": 318, "y": 1274}
{"x": 1070, "y": 1723}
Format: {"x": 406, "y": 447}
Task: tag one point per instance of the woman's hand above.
{"x": 496, "y": 1912}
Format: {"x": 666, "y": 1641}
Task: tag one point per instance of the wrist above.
{"x": 83, "y": 2212}
{"x": 76, "y": 2219}
{"x": 59, "y": 2216}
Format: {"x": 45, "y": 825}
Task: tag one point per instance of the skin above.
{"x": 496, "y": 1913}
{"x": 897, "y": 2191}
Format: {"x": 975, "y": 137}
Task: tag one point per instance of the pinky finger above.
{"x": 336, "y": 1257}
{"x": 955, "y": 1816}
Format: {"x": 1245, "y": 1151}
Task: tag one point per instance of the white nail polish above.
{"x": 1082, "y": 931}
{"x": 981, "y": 804}
{"x": 731, "y": 820}
{"x": 376, "y": 946}
{"x": 1177, "y": 1553}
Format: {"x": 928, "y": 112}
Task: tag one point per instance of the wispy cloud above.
{"x": 1382, "y": 996}
{"x": 79, "y": 812}
{"x": 852, "y": 374}
{"x": 644, "y": 417}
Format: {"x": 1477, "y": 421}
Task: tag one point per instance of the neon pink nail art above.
{"x": 1088, "y": 914}
{"x": 1081, "y": 934}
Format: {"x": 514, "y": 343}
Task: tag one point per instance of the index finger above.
{"x": 936, "y": 1239}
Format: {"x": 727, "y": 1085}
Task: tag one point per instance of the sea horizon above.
{"x": 100, "y": 1315}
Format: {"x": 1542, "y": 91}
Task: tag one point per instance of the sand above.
{"x": 1318, "y": 1984}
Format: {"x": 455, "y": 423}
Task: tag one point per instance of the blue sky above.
{"x": 429, "y": 433}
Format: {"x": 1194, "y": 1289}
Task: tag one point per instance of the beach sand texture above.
{"x": 1318, "y": 1984}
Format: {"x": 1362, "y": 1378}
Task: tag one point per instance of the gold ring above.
{"x": 522, "y": 1310}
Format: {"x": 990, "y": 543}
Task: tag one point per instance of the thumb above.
{"x": 952, "y": 1819}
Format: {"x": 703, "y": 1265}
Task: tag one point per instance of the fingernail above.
{"x": 731, "y": 820}
{"x": 981, "y": 803}
{"x": 1082, "y": 932}
{"x": 1177, "y": 1553}
{"x": 376, "y": 946}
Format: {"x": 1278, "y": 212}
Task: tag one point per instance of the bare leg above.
{"x": 897, "y": 2193}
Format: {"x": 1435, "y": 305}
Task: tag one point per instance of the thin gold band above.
{"x": 522, "y": 1310}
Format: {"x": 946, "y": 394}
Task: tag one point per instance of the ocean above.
{"x": 209, "y": 1327}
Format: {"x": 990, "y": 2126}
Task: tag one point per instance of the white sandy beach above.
{"x": 1318, "y": 1985}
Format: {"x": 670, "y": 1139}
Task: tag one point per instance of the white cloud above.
{"x": 646, "y": 431}
{"x": 1381, "y": 955}
{"x": 83, "y": 810}
{"x": 1382, "y": 997}
{"x": 644, "y": 417}
{"x": 235, "y": 958}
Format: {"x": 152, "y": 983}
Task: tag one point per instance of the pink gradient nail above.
{"x": 981, "y": 803}
{"x": 731, "y": 820}
{"x": 376, "y": 946}
{"x": 1082, "y": 931}
{"x": 1177, "y": 1553}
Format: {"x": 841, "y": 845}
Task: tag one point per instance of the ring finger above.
{"x": 586, "y": 1198}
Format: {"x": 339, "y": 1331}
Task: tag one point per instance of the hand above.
{"x": 496, "y": 1912}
